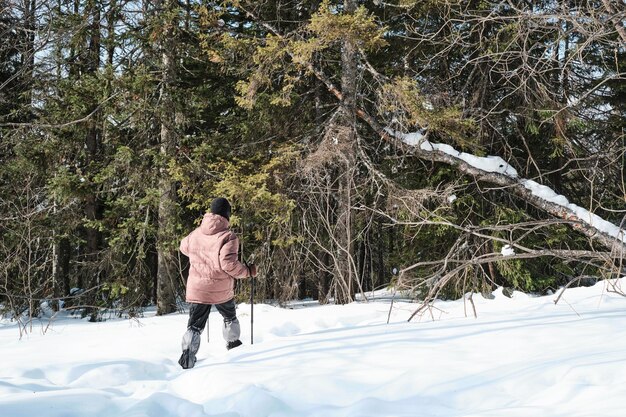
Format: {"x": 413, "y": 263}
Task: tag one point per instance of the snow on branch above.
{"x": 496, "y": 170}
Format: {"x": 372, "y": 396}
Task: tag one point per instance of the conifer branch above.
{"x": 62, "y": 125}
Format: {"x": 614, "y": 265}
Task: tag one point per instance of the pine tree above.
{"x": 166, "y": 287}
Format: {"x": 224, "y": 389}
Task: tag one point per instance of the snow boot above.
{"x": 187, "y": 360}
{"x": 233, "y": 344}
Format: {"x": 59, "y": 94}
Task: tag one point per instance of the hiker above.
{"x": 212, "y": 249}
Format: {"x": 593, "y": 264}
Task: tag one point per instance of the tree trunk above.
{"x": 347, "y": 139}
{"x": 380, "y": 250}
{"x": 167, "y": 268}
{"x": 361, "y": 260}
{"x": 323, "y": 285}
{"x": 93, "y": 206}
{"x": 111, "y": 16}
{"x": 152, "y": 261}
{"x": 60, "y": 269}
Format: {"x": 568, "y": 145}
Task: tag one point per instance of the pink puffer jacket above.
{"x": 212, "y": 250}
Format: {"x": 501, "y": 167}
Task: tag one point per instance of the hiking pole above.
{"x": 394, "y": 272}
{"x": 252, "y": 311}
{"x": 251, "y": 304}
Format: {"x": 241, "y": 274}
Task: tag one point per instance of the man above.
{"x": 212, "y": 249}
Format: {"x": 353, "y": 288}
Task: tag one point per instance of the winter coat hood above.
{"x": 213, "y": 224}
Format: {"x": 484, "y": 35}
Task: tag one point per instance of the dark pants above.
{"x": 198, "y": 316}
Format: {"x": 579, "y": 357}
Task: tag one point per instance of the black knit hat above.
{"x": 221, "y": 206}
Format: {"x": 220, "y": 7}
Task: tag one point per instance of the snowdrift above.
{"x": 523, "y": 356}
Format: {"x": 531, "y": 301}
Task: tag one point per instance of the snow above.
{"x": 545, "y": 193}
{"x": 522, "y": 356}
{"x": 499, "y": 165}
{"x": 585, "y": 215}
{"x": 507, "y": 250}
{"x": 486, "y": 163}
{"x": 412, "y": 139}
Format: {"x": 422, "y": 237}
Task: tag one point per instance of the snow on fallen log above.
{"x": 496, "y": 170}
{"x": 585, "y": 215}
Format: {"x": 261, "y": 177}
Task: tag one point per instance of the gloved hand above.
{"x": 252, "y": 270}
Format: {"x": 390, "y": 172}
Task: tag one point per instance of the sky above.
{"x": 522, "y": 356}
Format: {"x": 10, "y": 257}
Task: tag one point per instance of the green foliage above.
{"x": 329, "y": 27}
{"x": 517, "y": 275}
{"x": 114, "y": 290}
{"x": 284, "y": 58}
{"x": 539, "y": 274}
{"x": 254, "y": 188}
{"x": 403, "y": 99}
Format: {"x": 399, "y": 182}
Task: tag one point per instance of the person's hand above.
{"x": 252, "y": 269}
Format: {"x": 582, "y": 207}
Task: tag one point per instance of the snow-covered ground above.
{"x": 523, "y": 356}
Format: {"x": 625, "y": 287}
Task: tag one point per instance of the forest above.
{"x": 121, "y": 120}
